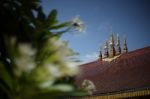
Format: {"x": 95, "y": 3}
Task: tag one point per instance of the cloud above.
{"x": 89, "y": 57}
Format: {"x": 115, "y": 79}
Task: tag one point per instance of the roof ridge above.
{"x": 131, "y": 52}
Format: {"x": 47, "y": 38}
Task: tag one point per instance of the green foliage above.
{"x": 33, "y": 60}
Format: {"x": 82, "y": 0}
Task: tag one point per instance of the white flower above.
{"x": 56, "y": 65}
{"x": 26, "y": 49}
{"x": 61, "y": 47}
{"x": 77, "y": 24}
{"x": 70, "y": 68}
{"x": 25, "y": 60}
{"x": 46, "y": 75}
{"x": 88, "y": 86}
{"x": 52, "y": 72}
{"x": 46, "y": 84}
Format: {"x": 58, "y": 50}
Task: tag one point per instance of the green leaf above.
{"x": 59, "y": 34}
{"x": 52, "y": 18}
{"x": 52, "y": 15}
{"x": 5, "y": 76}
{"x": 41, "y": 15}
{"x": 61, "y": 88}
{"x": 62, "y": 25}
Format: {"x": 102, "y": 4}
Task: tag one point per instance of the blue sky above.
{"x": 126, "y": 17}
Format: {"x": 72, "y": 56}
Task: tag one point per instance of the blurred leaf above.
{"x": 62, "y": 25}
{"x": 52, "y": 18}
{"x": 52, "y": 14}
{"x": 41, "y": 15}
{"x": 61, "y": 88}
{"x": 5, "y": 76}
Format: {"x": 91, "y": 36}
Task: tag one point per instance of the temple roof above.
{"x": 128, "y": 72}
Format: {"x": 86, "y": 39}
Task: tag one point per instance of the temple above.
{"x": 117, "y": 74}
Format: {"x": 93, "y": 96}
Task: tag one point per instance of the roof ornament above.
{"x": 118, "y": 48}
{"x": 112, "y": 49}
{"x": 106, "y": 53}
{"x": 125, "y": 49}
{"x": 100, "y": 54}
{"x": 110, "y": 53}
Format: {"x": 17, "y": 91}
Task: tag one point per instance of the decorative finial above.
{"x": 125, "y": 49}
{"x": 118, "y": 49}
{"x": 100, "y": 54}
{"x": 112, "y": 49}
{"x": 106, "y": 54}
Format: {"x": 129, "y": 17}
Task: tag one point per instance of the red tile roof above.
{"x": 129, "y": 71}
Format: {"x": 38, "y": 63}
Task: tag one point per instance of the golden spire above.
{"x": 100, "y": 54}
{"x": 111, "y": 42}
{"x": 118, "y": 49}
{"x": 111, "y": 37}
{"x": 106, "y": 54}
{"x": 125, "y": 49}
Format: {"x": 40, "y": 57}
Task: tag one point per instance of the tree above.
{"x": 33, "y": 60}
